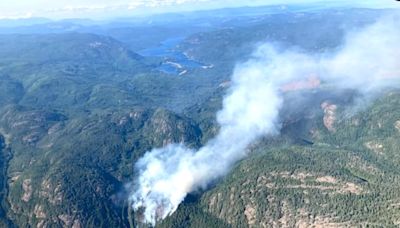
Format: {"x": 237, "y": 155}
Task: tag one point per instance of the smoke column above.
{"x": 367, "y": 61}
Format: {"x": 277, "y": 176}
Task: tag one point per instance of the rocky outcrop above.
{"x": 27, "y": 187}
{"x": 397, "y": 125}
{"x": 329, "y": 115}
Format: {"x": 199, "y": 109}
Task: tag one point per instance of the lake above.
{"x": 174, "y": 61}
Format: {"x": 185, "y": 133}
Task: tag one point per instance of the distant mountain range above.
{"x": 79, "y": 106}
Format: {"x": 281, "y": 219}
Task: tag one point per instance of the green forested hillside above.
{"x": 77, "y": 110}
{"x": 346, "y": 176}
{"x": 76, "y": 168}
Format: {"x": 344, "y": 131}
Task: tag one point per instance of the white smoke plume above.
{"x": 367, "y": 61}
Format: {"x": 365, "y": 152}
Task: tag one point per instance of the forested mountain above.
{"x": 79, "y": 107}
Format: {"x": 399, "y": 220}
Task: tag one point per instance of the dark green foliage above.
{"x": 192, "y": 216}
{"x": 349, "y": 176}
{"x": 78, "y": 110}
{"x": 79, "y": 167}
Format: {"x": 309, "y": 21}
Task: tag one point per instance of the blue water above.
{"x": 172, "y": 57}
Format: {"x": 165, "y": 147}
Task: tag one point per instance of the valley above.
{"x": 81, "y": 102}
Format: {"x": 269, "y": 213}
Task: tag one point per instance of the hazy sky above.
{"x": 115, "y": 8}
